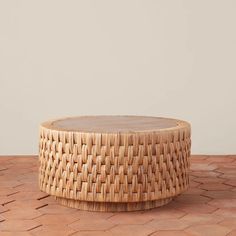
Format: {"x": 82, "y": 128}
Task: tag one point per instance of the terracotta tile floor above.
{"x": 207, "y": 208}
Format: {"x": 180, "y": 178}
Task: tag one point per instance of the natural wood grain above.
{"x": 109, "y": 124}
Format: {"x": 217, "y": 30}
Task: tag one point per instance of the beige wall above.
{"x": 164, "y": 58}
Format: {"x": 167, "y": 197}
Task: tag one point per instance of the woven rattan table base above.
{"x": 114, "y": 163}
{"x": 112, "y": 207}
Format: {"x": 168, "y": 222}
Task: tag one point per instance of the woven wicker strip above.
{"x": 114, "y": 163}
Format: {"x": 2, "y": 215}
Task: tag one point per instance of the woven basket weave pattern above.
{"x": 132, "y": 167}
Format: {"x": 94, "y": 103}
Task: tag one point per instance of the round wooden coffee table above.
{"x": 114, "y": 163}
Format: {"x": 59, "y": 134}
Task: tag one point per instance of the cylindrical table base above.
{"x": 112, "y": 206}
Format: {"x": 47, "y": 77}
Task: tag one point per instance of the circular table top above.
{"x": 113, "y": 124}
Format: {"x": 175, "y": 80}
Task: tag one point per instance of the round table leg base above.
{"x": 112, "y": 206}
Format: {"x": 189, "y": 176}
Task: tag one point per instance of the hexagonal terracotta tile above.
{"x": 229, "y": 170}
{"x": 223, "y": 203}
{"x": 220, "y": 159}
{"x": 231, "y": 182}
{"x": 56, "y": 209}
{"x": 131, "y": 230}
{"x": 206, "y": 208}
{"x": 226, "y": 212}
{"x": 92, "y": 224}
{"x": 31, "y": 195}
{"x": 3, "y": 209}
{"x": 18, "y": 225}
{"x": 52, "y": 230}
{"x": 26, "y": 204}
{"x": 198, "y": 158}
{"x": 2, "y": 218}
{"x": 232, "y": 233}
{"x": 57, "y": 219}
{"x": 21, "y": 213}
{"x": 93, "y": 233}
{"x": 202, "y": 167}
{"x": 14, "y": 234}
{"x": 86, "y": 215}
{"x": 208, "y": 230}
{"x": 171, "y": 224}
{"x": 229, "y": 223}
{"x": 6, "y": 200}
{"x": 171, "y": 233}
{"x": 7, "y": 191}
{"x": 164, "y": 213}
{"x": 131, "y": 218}
{"x": 197, "y": 219}
{"x": 215, "y": 186}
{"x": 192, "y": 199}
{"x": 206, "y": 180}
{"x": 205, "y": 174}
{"x": 10, "y": 183}
{"x": 220, "y": 194}
{"x": 195, "y": 208}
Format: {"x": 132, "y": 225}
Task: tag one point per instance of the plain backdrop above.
{"x": 170, "y": 58}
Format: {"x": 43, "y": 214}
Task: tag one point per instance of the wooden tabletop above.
{"x": 111, "y": 124}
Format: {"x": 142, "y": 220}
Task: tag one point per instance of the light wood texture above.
{"x": 109, "y": 124}
{"x": 114, "y": 163}
{"x": 114, "y": 206}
